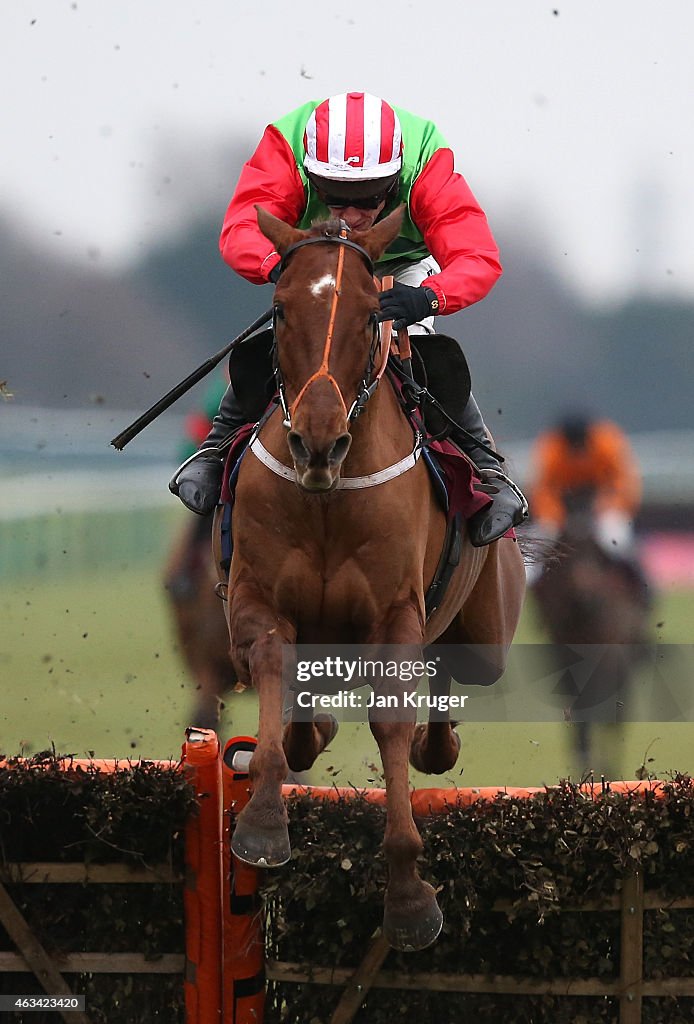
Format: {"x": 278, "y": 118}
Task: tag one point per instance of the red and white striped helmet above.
{"x": 353, "y": 137}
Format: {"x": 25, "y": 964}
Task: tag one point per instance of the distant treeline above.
{"x": 534, "y": 350}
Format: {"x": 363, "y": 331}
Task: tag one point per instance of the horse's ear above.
{"x": 377, "y": 239}
{"x": 280, "y": 234}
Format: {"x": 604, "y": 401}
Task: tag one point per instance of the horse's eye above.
{"x": 279, "y": 312}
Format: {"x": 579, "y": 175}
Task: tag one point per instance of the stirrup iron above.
{"x": 487, "y": 487}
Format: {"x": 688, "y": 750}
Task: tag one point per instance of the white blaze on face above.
{"x": 322, "y": 284}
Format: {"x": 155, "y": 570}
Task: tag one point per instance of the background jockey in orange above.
{"x": 585, "y": 469}
{"x": 593, "y": 460}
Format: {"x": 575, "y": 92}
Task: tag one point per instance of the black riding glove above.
{"x": 405, "y": 305}
{"x": 274, "y": 274}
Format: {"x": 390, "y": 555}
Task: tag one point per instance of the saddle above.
{"x": 251, "y": 372}
{"x": 440, "y": 366}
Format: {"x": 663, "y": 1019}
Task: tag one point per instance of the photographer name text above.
{"x": 397, "y": 701}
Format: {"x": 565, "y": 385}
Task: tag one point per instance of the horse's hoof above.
{"x": 327, "y": 726}
{"x": 263, "y": 848}
{"x": 431, "y": 760}
{"x": 416, "y": 930}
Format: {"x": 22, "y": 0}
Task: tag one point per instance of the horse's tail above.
{"x": 540, "y": 551}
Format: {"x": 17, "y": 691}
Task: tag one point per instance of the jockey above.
{"x": 355, "y": 157}
{"x": 587, "y": 467}
{"x": 591, "y": 459}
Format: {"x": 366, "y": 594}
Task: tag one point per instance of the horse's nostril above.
{"x": 339, "y": 450}
{"x": 297, "y": 448}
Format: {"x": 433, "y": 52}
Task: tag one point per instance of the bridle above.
{"x": 375, "y": 367}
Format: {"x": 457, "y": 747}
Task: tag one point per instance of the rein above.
{"x": 369, "y": 380}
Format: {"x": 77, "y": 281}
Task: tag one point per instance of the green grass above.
{"x": 89, "y": 665}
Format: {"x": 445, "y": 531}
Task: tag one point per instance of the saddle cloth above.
{"x": 237, "y": 450}
{"x": 445, "y": 460}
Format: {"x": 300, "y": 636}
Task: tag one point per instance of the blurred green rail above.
{"x": 70, "y": 544}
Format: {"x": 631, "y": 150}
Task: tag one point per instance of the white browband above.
{"x": 349, "y": 483}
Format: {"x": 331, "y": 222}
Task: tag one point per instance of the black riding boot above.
{"x": 198, "y": 481}
{"x": 509, "y": 507}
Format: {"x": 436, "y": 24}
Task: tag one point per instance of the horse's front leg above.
{"x": 412, "y": 919}
{"x": 261, "y": 836}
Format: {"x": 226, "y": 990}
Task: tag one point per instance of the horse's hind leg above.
{"x": 304, "y": 741}
{"x": 435, "y": 746}
{"x": 474, "y": 650}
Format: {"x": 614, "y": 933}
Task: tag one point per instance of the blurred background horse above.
{"x": 197, "y": 617}
{"x": 589, "y": 595}
{"x": 197, "y": 614}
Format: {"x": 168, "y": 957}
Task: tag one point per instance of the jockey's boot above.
{"x": 198, "y": 481}
{"x": 509, "y": 507}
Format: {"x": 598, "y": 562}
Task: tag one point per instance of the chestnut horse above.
{"x": 317, "y": 562}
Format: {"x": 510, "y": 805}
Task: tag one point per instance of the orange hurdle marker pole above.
{"x": 203, "y": 887}
{"x": 244, "y": 953}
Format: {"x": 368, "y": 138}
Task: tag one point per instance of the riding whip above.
{"x": 172, "y": 396}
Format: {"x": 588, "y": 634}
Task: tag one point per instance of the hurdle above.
{"x": 629, "y": 987}
{"x": 224, "y": 969}
{"x": 243, "y": 996}
{"x": 200, "y": 966}
{"x": 202, "y": 897}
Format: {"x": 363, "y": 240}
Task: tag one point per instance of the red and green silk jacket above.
{"x": 442, "y": 218}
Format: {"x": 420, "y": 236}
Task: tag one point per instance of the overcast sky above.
{"x": 574, "y": 120}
